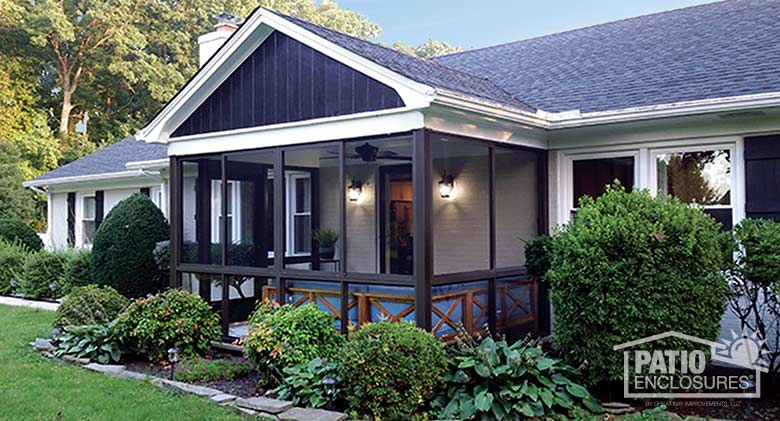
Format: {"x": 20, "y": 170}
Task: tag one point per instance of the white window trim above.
{"x": 654, "y": 154}
{"x": 290, "y": 178}
{"x": 645, "y": 170}
{"x": 568, "y": 173}
{"x": 216, "y": 211}
{"x": 80, "y": 199}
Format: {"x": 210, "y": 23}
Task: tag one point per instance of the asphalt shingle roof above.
{"x": 716, "y": 50}
{"x": 111, "y": 159}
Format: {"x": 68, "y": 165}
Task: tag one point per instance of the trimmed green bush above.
{"x": 391, "y": 369}
{"x": 14, "y": 230}
{"x": 122, "y": 250}
{"x": 171, "y": 319}
{"x": 78, "y": 270}
{"x": 12, "y": 259}
{"x": 43, "y": 275}
{"x": 537, "y": 256}
{"x": 629, "y": 266}
{"x": 286, "y": 336}
{"x": 760, "y": 261}
{"x": 90, "y": 305}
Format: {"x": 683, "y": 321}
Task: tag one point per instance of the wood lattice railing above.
{"x": 515, "y": 301}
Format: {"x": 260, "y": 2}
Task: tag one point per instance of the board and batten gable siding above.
{"x": 285, "y": 81}
{"x": 762, "y": 177}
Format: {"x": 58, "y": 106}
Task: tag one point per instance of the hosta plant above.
{"x": 494, "y": 380}
{"x": 96, "y": 342}
{"x": 312, "y": 385}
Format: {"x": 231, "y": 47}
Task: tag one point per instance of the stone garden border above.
{"x": 274, "y": 409}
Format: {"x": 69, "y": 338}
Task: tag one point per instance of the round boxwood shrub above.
{"x": 78, "y": 268}
{"x": 12, "y": 259}
{"x": 43, "y": 275}
{"x": 171, "y": 319}
{"x": 14, "y": 230}
{"x": 90, "y": 305}
{"x": 286, "y": 336}
{"x": 122, "y": 250}
{"x": 629, "y": 266}
{"x": 390, "y": 369}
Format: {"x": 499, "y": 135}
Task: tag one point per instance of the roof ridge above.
{"x": 420, "y": 59}
{"x": 503, "y": 44}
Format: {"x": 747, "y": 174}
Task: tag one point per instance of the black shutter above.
{"x": 98, "y": 208}
{"x": 71, "y": 219}
{"x": 762, "y": 177}
{"x": 145, "y": 191}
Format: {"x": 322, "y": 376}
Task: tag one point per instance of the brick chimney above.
{"x": 209, "y": 43}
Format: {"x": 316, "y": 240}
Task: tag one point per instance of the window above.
{"x": 233, "y": 211}
{"x": 88, "y": 212}
{"x": 590, "y": 176}
{"x": 299, "y": 213}
{"x": 703, "y": 177}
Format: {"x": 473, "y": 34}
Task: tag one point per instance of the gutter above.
{"x": 572, "y": 119}
{"x": 84, "y": 178}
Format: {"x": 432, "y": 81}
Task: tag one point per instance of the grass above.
{"x": 34, "y": 388}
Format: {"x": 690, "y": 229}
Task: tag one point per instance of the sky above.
{"x": 473, "y": 24}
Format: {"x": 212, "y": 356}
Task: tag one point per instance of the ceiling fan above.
{"x": 370, "y": 153}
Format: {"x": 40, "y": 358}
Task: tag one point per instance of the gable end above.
{"x": 284, "y": 81}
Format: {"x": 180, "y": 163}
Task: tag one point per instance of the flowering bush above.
{"x": 197, "y": 369}
{"x": 285, "y": 336}
{"x": 172, "y": 319}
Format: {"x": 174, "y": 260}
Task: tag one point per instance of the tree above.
{"x": 15, "y": 201}
{"x": 428, "y": 49}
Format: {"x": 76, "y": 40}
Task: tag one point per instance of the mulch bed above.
{"x": 243, "y": 386}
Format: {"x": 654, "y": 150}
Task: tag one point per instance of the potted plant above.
{"x": 326, "y": 241}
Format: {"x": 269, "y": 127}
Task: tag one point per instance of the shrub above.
{"x": 14, "y": 230}
{"x": 537, "y": 256}
{"x": 391, "y": 369}
{"x": 311, "y": 385}
{"x": 171, "y": 319}
{"x": 122, "y": 250}
{"x": 198, "y": 369}
{"x": 43, "y": 275}
{"x": 495, "y": 380}
{"x": 78, "y": 270}
{"x": 12, "y": 259}
{"x": 97, "y": 342}
{"x": 286, "y": 336}
{"x": 755, "y": 285}
{"x": 628, "y": 266}
{"x": 90, "y": 305}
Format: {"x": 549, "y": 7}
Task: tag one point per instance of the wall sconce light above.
{"x": 446, "y": 186}
{"x": 355, "y": 191}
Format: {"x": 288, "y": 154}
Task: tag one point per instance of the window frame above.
{"x": 234, "y": 214}
{"x": 291, "y": 176}
{"x": 83, "y": 240}
{"x": 733, "y": 176}
{"x": 570, "y": 207}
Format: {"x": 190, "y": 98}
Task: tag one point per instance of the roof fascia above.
{"x": 238, "y": 47}
{"x": 114, "y": 176}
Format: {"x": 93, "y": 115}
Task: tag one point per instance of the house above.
{"x": 433, "y": 172}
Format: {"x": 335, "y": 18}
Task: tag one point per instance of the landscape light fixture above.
{"x": 173, "y": 354}
{"x": 446, "y": 186}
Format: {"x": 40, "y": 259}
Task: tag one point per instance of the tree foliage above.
{"x": 428, "y": 49}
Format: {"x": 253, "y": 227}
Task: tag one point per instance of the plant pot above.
{"x": 327, "y": 252}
